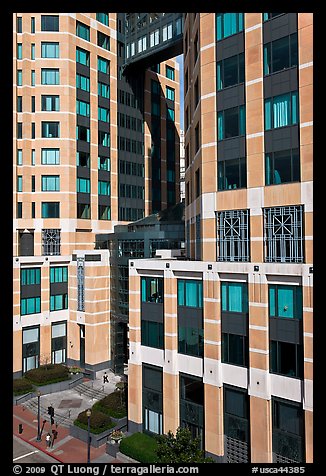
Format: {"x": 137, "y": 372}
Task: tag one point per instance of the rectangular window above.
{"x": 19, "y": 210}
{"x": 83, "y": 185}
{"x": 33, "y": 51}
{"x": 103, "y": 40}
{"x": 33, "y": 130}
{"x": 269, "y": 16}
{"x": 232, "y": 174}
{"x": 82, "y": 82}
{"x": 197, "y": 138}
{"x": 152, "y": 334}
{"x": 228, "y": 24}
{"x": 31, "y": 348}
{"x": 19, "y": 130}
{"x": 33, "y": 103}
{"x": 231, "y": 122}
{"x": 281, "y": 111}
{"x": 234, "y": 297}
{"x": 50, "y": 209}
{"x": 19, "y": 183}
{"x": 170, "y": 93}
{"x": 230, "y": 71}
{"x": 190, "y": 293}
{"x": 50, "y": 103}
{"x": 152, "y": 290}
{"x": 104, "y": 90}
{"x": 104, "y": 163}
{"x": 282, "y": 167}
{"x": 196, "y": 93}
{"x": 142, "y": 44}
{"x": 33, "y": 77}
{"x": 82, "y": 56}
{"x": 33, "y": 25}
{"x": 104, "y": 212}
{"x": 49, "y": 22}
{"x": 33, "y": 210}
{"x": 233, "y": 235}
{"x": 30, "y": 305}
{"x": 154, "y": 38}
{"x": 286, "y": 359}
{"x": 33, "y": 157}
{"x": 58, "y": 302}
{"x": 83, "y": 133}
{"x": 103, "y": 188}
{"x": 103, "y": 114}
{"x": 192, "y": 406}
{"x": 152, "y": 399}
{"x": 51, "y": 241}
{"x": 30, "y": 276}
{"x": 59, "y": 342}
{"x": 156, "y": 68}
{"x": 285, "y": 302}
{"x": 103, "y": 18}
{"x": 49, "y": 49}
{"x": 84, "y": 211}
{"x": 236, "y": 425}
{"x": 169, "y": 114}
{"x": 19, "y": 103}
{"x": 235, "y": 349}
{"x": 104, "y": 138}
{"x": 155, "y": 87}
{"x": 58, "y": 274}
{"x": 169, "y": 72}
{"x": 82, "y": 159}
{"x": 103, "y": 65}
{"x": 284, "y": 234}
{"x": 33, "y": 183}
{"x": 19, "y": 51}
{"x": 19, "y": 77}
{"x": 51, "y": 129}
{"x": 19, "y": 24}
{"x": 82, "y": 108}
{"x": 82, "y": 30}
{"x": 19, "y": 156}
{"x": 50, "y": 76}
{"x": 50, "y": 183}
{"x": 50, "y": 156}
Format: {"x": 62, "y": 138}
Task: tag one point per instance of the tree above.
{"x": 180, "y": 448}
{"x": 121, "y": 388}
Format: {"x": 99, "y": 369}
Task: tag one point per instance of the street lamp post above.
{"x": 38, "y": 417}
{"x": 88, "y": 413}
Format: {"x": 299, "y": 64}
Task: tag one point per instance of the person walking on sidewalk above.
{"x": 48, "y": 440}
{"x": 105, "y": 378}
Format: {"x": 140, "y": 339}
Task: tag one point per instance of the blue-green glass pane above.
{"x": 268, "y": 170}
{"x": 224, "y": 297}
{"x": 242, "y": 128}
{"x": 143, "y": 289}
{"x": 272, "y": 301}
{"x": 235, "y": 297}
{"x": 295, "y": 109}
{"x": 268, "y": 123}
{"x": 219, "y": 26}
{"x": 285, "y": 302}
{"x": 240, "y": 18}
{"x": 181, "y": 292}
{"x": 265, "y": 16}
{"x": 191, "y": 294}
{"x": 267, "y": 58}
{"x": 281, "y": 111}
{"x": 219, "y": 76}
{"x": 220, "y": 127}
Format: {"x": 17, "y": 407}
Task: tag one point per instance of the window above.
{"x": 103, "y": 41}
{"x": 230, "y": 71}
{"x": 33, "y": 157}
{"x": 196, "y": 48}
{"x": 103, "y": 65}
{"x": 19, "y": 210}
{"x": 192, "y": 406}
{"x": 233, "y": 235}
{"x": 104, "y": 163}
{"x": 236, "y": 425}
{"x": 285, "y": 302}
{"x": 58, "y": 302}
{"x": 196, "y": 93}
{"x": 103, "y": 18}
{"x": 82, "y": 56}
{"x": 103, "y": 114}
{"x": 19, "y": 183}
{"x": 83, "y": 133}
{"x": 49, "y": 49}
{"x": 104, "y": 138}
{"x": 19, "y": 24}
{"x": 33, "y": 51}
{"x": 152, "y": 290}
{"x": 50, "y": 183}
{"x": 152, "y": 334}
{"x": 142, "y": 44}
{"x": 288, "y": 433}
{"x": 19, "y": 156}
{"x": 197, "y": 138}
{"x": 152, "y": 399}
{"x": 104, "y": 90}
{"x": 31, "y": 348}
{"x": 178, "y": 27}
{"x": 82, "y": 82}
{"x": 50, "y": 103}
{"x": 33, "y": 103}
{"x": 19, "y": 77}
{"x": 282, "y": 167}
{"x": 269, "y": 16}
{"x": 232, "y": 174}
{"x": 284, "y": 234}
{"x": 235, "y": 349}
{"x": 33, "y": 183}
{"x": 104, "y": 212}
{"x": 33, "y": 25}
{"x": 169, "y": 114}
{"x": 82, "y": 30}
{"x": 228, "y": 24}
{"x": 82, "y": 159}
{"x": 33, "y": 77}
{"x": 50, "y": 76}
{"x": 103, "y": 188}
{"x": 58, "y": 342}
{"x": 49, "y": 22}
{"x": 154, "y": 38}
{"x": 31, "y": 305}
{"x": 83, "y": 211}
{"x": 286, "y": 359}
{"x": 156, "y": 68}
{"x": 197, "y": 183}
{"x": 234, "y": 297}
{"x": 281, "y": 111}
{"x": 51, "y": 129}
{"x": 33, "y": 130}
{"x": 231, "y": 122}
{"x": 33, "y": 210}
{"x": 155, "y": 87}
{"x": 50, "y": 209}
{"x": 167, "y": 32}
{"x": 19, "y": 103}
{"x": 51, "y": 241}
{"x": 83, "y": 185}
{"x": 281, "y": 54}
{"x": 19, "y": 130}
{"x": 82, "y": 108}
{"x": 19, "y": 51}
{"x": 190, "y": 293}
{"x": 30, "y": 276}
{"x": 170, "y": 93}
{"x": 50, "y": 156}
{"x": 169, "y": 72}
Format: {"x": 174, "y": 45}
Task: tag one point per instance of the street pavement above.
{"x": 66, "y": 449}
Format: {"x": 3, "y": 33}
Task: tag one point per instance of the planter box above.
{"x": 112, "y": 449}
{"x": 96, "y": 440}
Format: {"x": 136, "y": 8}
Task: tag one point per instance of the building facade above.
{"x": 82, "y": 146}
{"x": 236, "y": 361}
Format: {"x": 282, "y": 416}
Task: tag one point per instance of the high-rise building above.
{"x": 236, "y": 364}
{"x": 93, "y": 147}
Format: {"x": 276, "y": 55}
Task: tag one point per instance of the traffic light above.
{"x": 51, "y": 411}
{"x": 20, "y": 428}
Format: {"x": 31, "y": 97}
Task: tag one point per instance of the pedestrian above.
{"x": 105, "y": 378}
{"x": 48, "y": 440}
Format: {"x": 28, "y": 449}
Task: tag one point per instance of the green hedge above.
{"x": 111, "y": 405}
{"x": 47, "y": 374}
{"x": 22, "y": 386}
{"x": 99, "y": 422}
{"x": 140, "y": 447}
